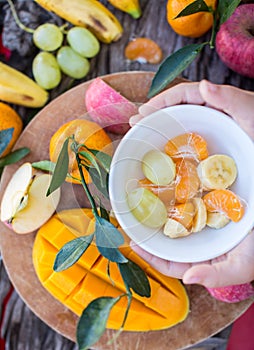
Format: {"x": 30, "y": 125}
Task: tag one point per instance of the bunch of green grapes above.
{"x": 56, "y": 57}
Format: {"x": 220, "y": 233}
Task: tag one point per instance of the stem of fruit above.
{"x": 84, "y": 184}
{"x": 214, "y": 29}
{"x": 17, "y": 20}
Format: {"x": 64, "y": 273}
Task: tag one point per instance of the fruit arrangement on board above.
{"x": 184, "y": 188}
{"x": 74, "y": 259}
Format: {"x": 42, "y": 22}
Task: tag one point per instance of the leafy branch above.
{"x": 107, "y": 237}
{"x": 177, "y": 62}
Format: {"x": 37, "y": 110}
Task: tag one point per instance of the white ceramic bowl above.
{"x": 223, "y": 135}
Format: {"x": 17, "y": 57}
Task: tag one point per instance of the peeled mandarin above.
{"x": 224, "y": 201}
{"x": 188, "y": 145}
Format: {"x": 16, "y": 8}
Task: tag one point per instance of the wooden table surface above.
{"x": 20, "y": 328}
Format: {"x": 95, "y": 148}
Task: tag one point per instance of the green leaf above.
{"x": 93, "y": 321}
{"x": 226, "y": 8}
{"x": 14, "y": 156}
{"x": 108, "y": 239}
{"x": 61, "y": 169}
{"x": 104, "y": 158}
{"x": 71, "y": 252}
{"x": 91, "y": 161}
{"x": 5, "y": 138}
{"x": 172, "y": 66}
{"x": 135, "y": 278}
{"x": 99, "y": 180}
{"x": 194, "y": 7}
{"x": 44, "y": 165}
{"x": 104, "y": 213}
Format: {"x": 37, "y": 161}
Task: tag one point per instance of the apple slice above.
{"x": 108, "y": 107}
{"x": 25, "y": 206}
{"x": 15, "y": 191}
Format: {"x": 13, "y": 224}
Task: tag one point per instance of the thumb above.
{"x": 237, "y": 103}
{"x": 219, "y": 274}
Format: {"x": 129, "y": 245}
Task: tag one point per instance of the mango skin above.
{"x": 87, "y": 279}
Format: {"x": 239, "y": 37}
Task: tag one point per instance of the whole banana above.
{"x": 17, "y": 88}
{"x": 87, "y": 13}
{"x": 132, "y": 7}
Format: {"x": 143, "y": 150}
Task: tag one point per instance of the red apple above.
{"x": 235, "y": 41}
{"x": 108, "y": 107}
{"x": 232, "y": 294}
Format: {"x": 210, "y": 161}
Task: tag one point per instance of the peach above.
{"x": 108, "y": 107}
{"x": 232, "y": 294}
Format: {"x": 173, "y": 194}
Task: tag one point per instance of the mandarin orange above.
{"x": 143, "y": 49}
{"x": 188, "y": 145}
{"x": 85, "y": 132}
{"x": 187, "y": 181}
{"x": 9, "y": 118}
{"x": 224, "y": 201}
{"x": 165, "y": 193}
{"x": 183, "y": 213}
{"x": 194, "y": 25}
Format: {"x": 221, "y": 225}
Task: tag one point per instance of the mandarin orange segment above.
{"x": 224, "y": 201}
{"x": 165, "y": 193}
{"x": 143, "y": 49}
{"x": 85, "y": 132}
{"x": 183, "y": 213}
{"x": 187, "y": 181}
{"x": 188, "y": 145}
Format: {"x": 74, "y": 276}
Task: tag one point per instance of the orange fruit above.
{"x": 85, "y": 132}
{"x": 187, "y": 181}
{"x": 226, "y": 202}
{"x": 188, "y": 145}
{"x": 143, "y": 49}
{"x": 165, "y": 193}
{"x": 194, "y": 25}
{"x": 183, "y": 213}
{"x": 9, "y": 118}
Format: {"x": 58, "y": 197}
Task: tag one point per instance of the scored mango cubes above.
{"x": 87, "y": 279}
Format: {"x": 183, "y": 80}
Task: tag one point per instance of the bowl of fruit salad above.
{"x": 181, "y": 183}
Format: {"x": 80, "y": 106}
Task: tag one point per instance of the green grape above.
{"x": 46, "y": 70}
{"x": 71, "y": 63}
{"x": 48, "y": 37}
{"x": 83, "y": 42}
{"x": 147, "y": 207}
{"x": 158, "y": 167}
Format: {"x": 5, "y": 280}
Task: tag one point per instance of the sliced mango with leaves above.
{"x": 88, "y": 279}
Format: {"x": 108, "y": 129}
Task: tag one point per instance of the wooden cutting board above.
{"x": 207, "y": 316}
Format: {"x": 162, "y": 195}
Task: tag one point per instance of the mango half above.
{"x": 87, "y": 279}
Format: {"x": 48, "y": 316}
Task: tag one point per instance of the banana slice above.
{"x": 216, "y": 220}
{"x": 217, "y": 172}
{"x": 200, "y": 218}
{"x": 175, "y": 229}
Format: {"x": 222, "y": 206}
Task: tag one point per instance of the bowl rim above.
{"x": 201, "y": 256}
